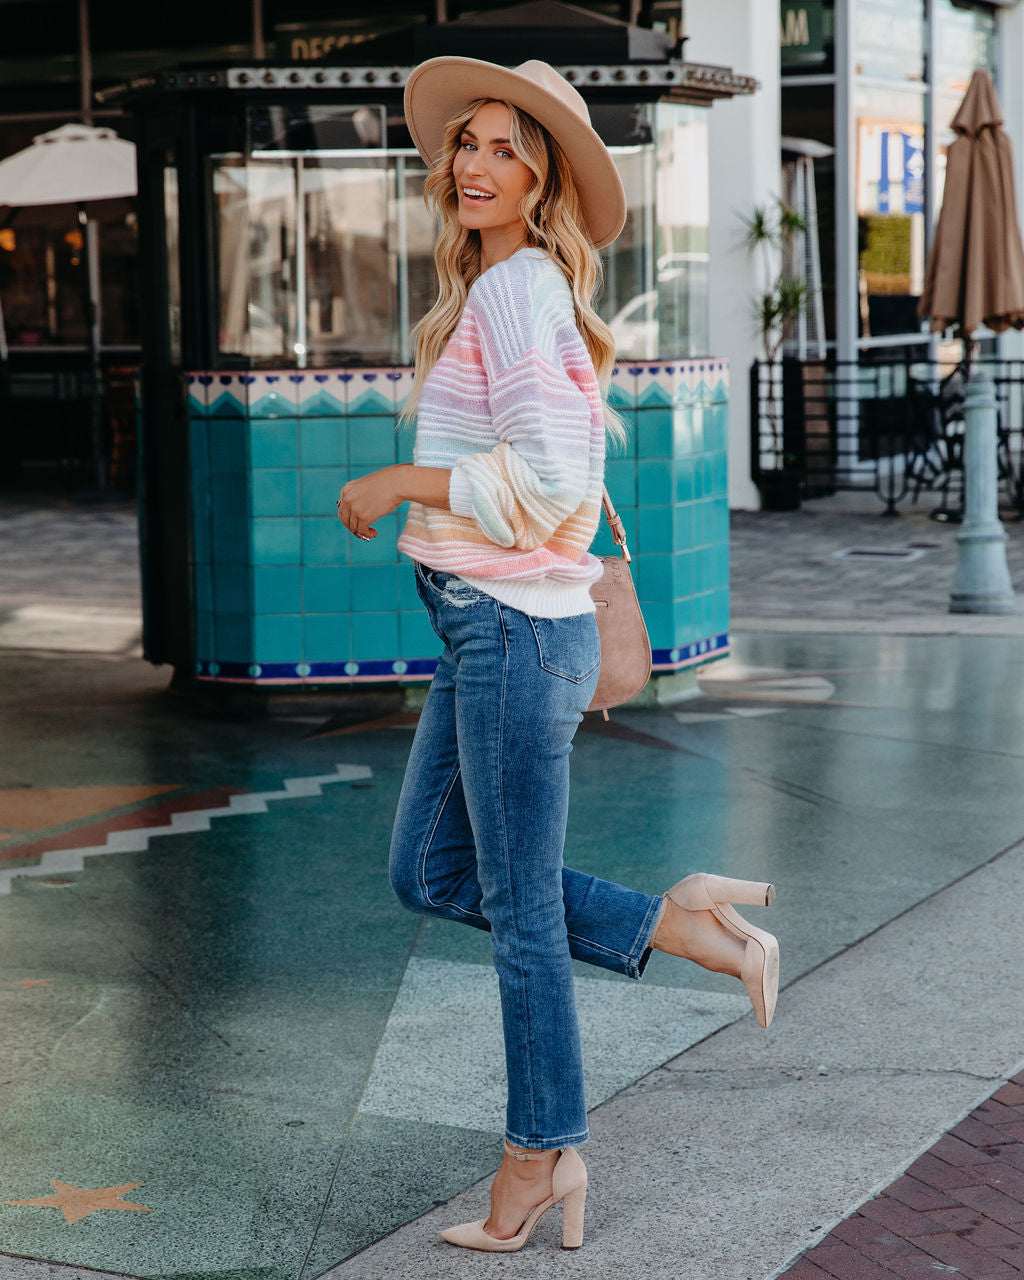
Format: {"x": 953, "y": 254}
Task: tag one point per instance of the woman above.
{"x": 505, "y": 495}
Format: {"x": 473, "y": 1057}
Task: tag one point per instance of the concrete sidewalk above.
{"x": 730, "y": 1160}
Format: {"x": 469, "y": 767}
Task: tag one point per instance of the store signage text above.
{"x": 801, "y": 31}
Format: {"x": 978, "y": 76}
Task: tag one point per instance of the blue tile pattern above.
{"x": 283, "y": 595}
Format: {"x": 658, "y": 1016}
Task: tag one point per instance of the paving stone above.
{"x": 846, "y": 1263}
{"x": 960, "y": 1218}
{"x": 1004, "y": 1177}
{"x": 937, "y": 1173}
{"x": 805, "y": 1269}
{"x": 994, "y": 1204}
{"x": 1011, "y": 1094}
{"x": 1010, "y": 1253}
{"x": 978, "y": 1134}
{"x": 917, "y": 1195}
{"x": 955, "y": 1151}
{"x": 995, "y": 1113}
{"x": 967, "y": 1258}
{"x": 903, "y": 1221}
{"x": 917, "y": 1264}
{"x": 870, "y": 1238}
{"x": 785, "y": 568}
{"x": 988, "y": 1234}
{"x": 1012, "y": 1155}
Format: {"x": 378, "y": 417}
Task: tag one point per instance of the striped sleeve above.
{"x": 536, "y": 476}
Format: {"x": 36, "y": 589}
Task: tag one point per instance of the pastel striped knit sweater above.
{"x": 513, "y": 409}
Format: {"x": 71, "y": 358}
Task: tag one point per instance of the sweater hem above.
{"x": 539, "y": 597}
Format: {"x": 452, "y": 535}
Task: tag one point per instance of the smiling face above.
{"x": 491, "y": 180}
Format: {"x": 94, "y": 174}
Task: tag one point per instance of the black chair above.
{"x": 935, "y": 456}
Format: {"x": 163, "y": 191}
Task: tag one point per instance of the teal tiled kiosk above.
{"x": 282, "y": 595}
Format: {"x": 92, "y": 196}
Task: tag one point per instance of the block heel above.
{"x": 703, "y": 892}
{"x": 573, "y": 1206}
{"x": 759, "y": 972}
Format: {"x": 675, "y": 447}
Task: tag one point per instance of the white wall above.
{"x": 745, "y": 171}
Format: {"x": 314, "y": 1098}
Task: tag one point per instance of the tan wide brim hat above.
{"x": 437, "y": 90}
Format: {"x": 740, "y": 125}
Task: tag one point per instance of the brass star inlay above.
{"x": 78, "y": 1202}
{"x": 34, "y": 982}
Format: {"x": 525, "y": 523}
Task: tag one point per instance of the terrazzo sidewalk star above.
{"x": 78, "y": 1202}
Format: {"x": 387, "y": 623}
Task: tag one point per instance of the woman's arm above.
{"x": 367, "y": 499}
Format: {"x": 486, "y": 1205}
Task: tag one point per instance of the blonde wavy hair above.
{"x": 553, "y": 221}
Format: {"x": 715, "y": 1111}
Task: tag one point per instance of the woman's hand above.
{"x": 367, "y": 499}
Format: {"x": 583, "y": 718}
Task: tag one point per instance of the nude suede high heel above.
{"x": 568, "y": 1185}
{"x": 760, "y": 971}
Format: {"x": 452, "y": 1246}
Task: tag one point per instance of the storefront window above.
{"x": 808, "y": 111}
{"x": 889, "y": 39}
{"x": 119, "y": 285}
{"x": 966, "y": 43}
{"x": 43, "y": 276}
{"x": 325, "y": 248}
{"x": 890, "y": 209}
{"x": 902, "y": 107}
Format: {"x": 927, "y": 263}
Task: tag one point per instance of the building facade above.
{"x": 285, "y": 257}
{"x": 279, "y": 256}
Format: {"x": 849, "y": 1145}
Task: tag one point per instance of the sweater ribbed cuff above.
{"x": 460, "y": 493}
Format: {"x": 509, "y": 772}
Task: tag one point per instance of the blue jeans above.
{"x": 480, "y": 831}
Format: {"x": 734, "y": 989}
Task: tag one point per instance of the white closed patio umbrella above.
{"x": 74, "y": 164}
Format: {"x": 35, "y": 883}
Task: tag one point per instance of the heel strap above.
{"x": 517, "y": 1154}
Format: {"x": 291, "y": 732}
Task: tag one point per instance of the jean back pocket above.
{"x": 568, "y": 647}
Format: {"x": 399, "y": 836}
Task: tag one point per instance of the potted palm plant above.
{"x": 769, "y": 235}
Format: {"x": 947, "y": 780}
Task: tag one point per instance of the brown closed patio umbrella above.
{"x": 976, "y": 266}
{"x": 976, "y": 275}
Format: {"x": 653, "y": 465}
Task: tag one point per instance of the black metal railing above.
{"x": 892, "y": 428}
{"x": 69, "y": 429}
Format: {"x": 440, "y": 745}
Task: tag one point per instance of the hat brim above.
{"x": 438, "y": 89}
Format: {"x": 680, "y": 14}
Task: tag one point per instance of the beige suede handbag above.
{"x": 625, "y": 645}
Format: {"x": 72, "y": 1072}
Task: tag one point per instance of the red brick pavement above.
{"x": 958, "y": 1209}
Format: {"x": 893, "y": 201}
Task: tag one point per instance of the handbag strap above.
{"x": 616, "y": 526}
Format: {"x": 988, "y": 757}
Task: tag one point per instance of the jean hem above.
{"x": 548, "y": 1144}
{"x": 640, "y": 954}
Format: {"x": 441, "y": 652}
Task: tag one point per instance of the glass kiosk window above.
{"x": 324, "y": 248}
